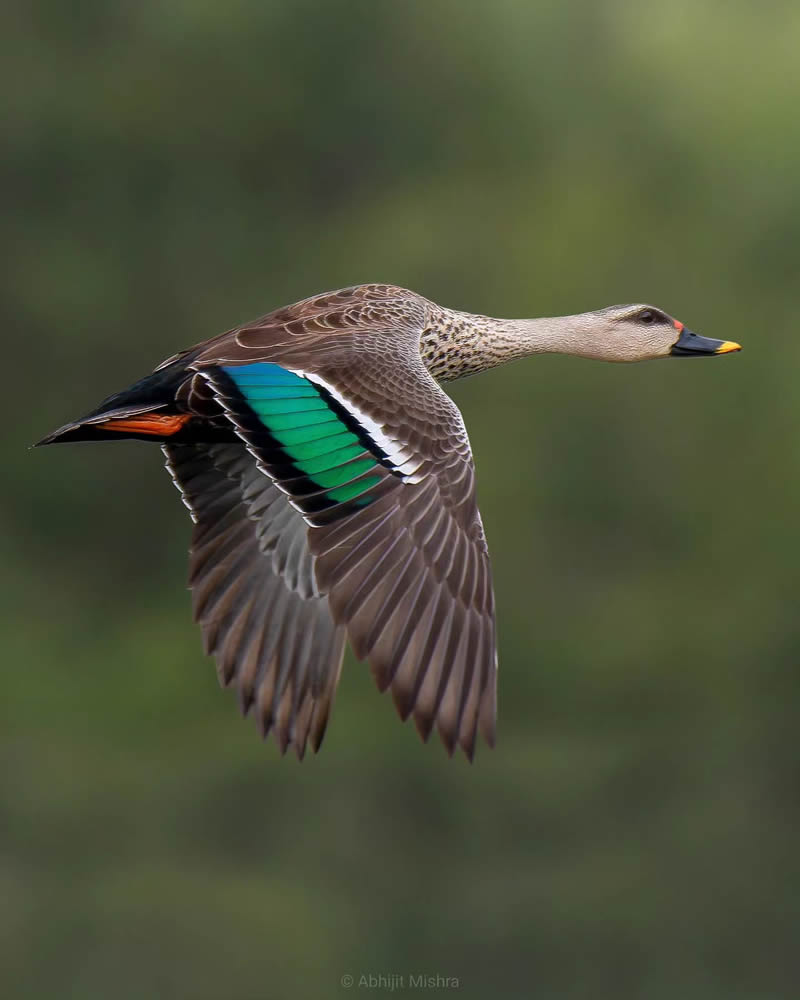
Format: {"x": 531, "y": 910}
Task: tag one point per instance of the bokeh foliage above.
{"x": 174, "y": 168}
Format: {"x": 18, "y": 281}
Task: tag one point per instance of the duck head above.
{"x": 641, "y": 333}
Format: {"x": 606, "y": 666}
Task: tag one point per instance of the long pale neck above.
{"x": 455, "y": 344}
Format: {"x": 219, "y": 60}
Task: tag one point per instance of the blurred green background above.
{"x": 172, "y": 169}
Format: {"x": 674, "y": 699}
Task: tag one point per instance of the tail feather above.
{"x": 124, "y": 422}
{"x": 145, "y": 410}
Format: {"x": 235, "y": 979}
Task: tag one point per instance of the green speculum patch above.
{"x": 314, "y": 439}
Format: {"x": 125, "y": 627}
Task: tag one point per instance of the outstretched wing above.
{"x": 408, "y": 570}
{"x": 255, "y": 595}
{"x": 347, "y": 421}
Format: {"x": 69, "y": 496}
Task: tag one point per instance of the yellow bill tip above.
{"x": 727, "y": 346}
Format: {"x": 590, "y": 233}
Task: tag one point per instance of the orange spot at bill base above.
{"x": 678, "y": 325}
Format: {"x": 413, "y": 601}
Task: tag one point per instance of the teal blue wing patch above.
{"x": 305, "y": 438}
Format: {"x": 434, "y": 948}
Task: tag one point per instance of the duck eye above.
{"x": 647, "y": 316}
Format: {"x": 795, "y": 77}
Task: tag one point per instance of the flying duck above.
{"x": 332, "y": 489}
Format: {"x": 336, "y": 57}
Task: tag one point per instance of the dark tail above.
{"x": 147, "y": 410}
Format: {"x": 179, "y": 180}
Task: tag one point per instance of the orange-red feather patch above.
{"x": 157, "y": 424}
